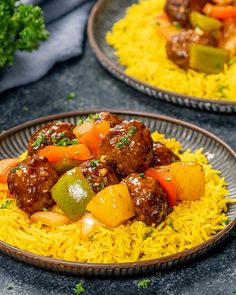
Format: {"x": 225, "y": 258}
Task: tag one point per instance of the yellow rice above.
{"x": 190, "y": 223}
{"x": 142, "y": 51}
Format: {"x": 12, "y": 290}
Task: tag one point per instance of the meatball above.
{"x": 98, "y": 174}
{"x": 163, "y": 155}
{"x": 128, "y": 148}
{"x": 149, "y": 198}
{"x": 30, "y": 183}
{"x": 178, "y": 10}
{"x": 112, "y": 119}
{"x": 55, "y": 133}
{"x": 177, "y": 47}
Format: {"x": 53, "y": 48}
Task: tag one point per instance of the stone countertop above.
{"x": 214, "y": 274}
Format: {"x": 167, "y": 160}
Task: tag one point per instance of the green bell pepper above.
{"x": 207, "y": 59}
{"x": 204, "y": 22}
{"x": 72, "y": 193}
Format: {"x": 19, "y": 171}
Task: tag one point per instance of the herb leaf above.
{"x": 6, "y": 204}
{"x": 94, "y": 163}
{"x": 41, "y": 138}
{"x": 125, "y": 139}
{"x": 141, "y": 175}
{"x": 93, "y": 117}
{"x": 144, "y": 283}
{"x": 79, "y": 289}
{"x": 71, "y": 95}
{"x": 18, "y": 167}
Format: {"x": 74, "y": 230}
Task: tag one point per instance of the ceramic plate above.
{"x": 14, "y": 141}
{"x": 104, "y": 14}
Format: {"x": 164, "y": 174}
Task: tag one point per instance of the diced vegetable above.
{"x": 112, "y": 205}
{"x": 49, "y": 218}
{"x": 5, "y": 166}
{"x": 93, "y": 138}
{"x": 207, "y": 59}
{"x": 66, "y": 164}
{"x": 166, "y": 180}
{"x": 206, "y": 23}
{"x": 83, "y": 128}
{"x": 88, "y": 225}
{"x": 220, "y": 11}
{"x": 56, "y": 153}
{"x": 190, "y": 180}
{"x": 72, "y": 193}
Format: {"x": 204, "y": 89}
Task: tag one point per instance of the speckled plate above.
{"x": 104, "y": 14}
{"x": 14, "y": 141}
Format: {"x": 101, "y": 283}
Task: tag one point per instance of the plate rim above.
{"x": 60, "y": 264}
{"x": 112, "y": 65}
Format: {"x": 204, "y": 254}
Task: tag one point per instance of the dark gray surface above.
{"x": 214, "y": 274}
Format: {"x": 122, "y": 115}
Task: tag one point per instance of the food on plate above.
{"x": 133, "y": 195}
{"x": 175, "y": 44}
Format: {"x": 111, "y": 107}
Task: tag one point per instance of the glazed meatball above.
{"x": 98, "y": 174}
{"x": 112, "y": 119}
{"x": 178, "y": 10}
{"x": 149, "y": 198}
{"x": 177, "y": 47}
{"x": 163, "y": 155}
{"x": 55, "y": 133}
{"x": 128, "y": 148}
{"x": 30, "y": 183}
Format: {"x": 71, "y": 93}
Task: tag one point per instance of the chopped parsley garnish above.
{"x": 233, "y": 233}
{"x": 144, "y": 283}
{"x": 171, "y": 225}
{"x": 45, "y": 209}
{"x": 141, "y": 175}
{"x": 25, "y": 108}
{"x": 225, "y": 222}
{"x": 18, "y": 167}
{"x": 66, "y": 141}
{"x": 125, "y": 139}
{"x": 71, "y": 95}
{"x": 81, "y": 121}
{"x": 93, "y": 117}
{"x": 39, "y": 140}
{"x": 177, "y": 25}
{"x": 101, "y": 186}
{"x": 79, "y": 289}
{"x": 221, "y": 88}
{"x": 234, "y": 292}
{"x": 6, "y": 204}
{"x": 94, "y": 163}
{"x": 168, "y": 179}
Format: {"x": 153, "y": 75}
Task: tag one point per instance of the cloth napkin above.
{"x": 66, "y": 21}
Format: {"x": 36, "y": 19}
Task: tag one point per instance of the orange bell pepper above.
{"x": 219, "y": 11}
{"x": 93, "y": 137}
{"x": 112, "y": 205}
{"x": 166, "y": 180}
{"x": 76, "y": 151}
{"x": 5, "y": 166}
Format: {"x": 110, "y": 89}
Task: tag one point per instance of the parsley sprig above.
{"x": 22, "y": 28}
{"x": 144, "y": 283}
{"x": 79, "y": 289}
{"x": 41, "y": 138}
{"x": 94, "y": 163}
{"x": 125, "y": 139}
{"x": 6, "y": 204}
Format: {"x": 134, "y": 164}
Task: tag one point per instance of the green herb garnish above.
{"x": 18, "y": 167}
{"x": 177, "y": 25}
{"x": 22, "y": 28}
{"x": 125, "y": 139}
{"x": 141, "y": 175}
{"x": 71, "y": 95}
{"x": 25, "y": 108}
{"x": 171, "y": 225}
{"x": 221, "y": 88}
{"x": 233, "y": 233}
{"x": 93, "y": 117}
{"x": 144, "y": 283}
{"x": 232, "y": 61}
{"x": 101, "y": 186}
{"x": 81, "y": 121}
{"x": 79, "y": 289}
{"x": 6, "y": 204}
{"x": 168, "y": 179}
{"x": 94, "y": 163}
{"x": 234, "y": 292}
{"x": 66, "y": 141}
{"x": 39, "y": 140}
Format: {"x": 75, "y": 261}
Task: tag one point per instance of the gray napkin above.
{"x": 66, "y": 21}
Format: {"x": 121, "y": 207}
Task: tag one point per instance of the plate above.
{"x": 14, "y": 141}
{"x": 103, "y": 15}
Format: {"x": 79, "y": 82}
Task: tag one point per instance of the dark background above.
{"x": 214, "y": 274}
